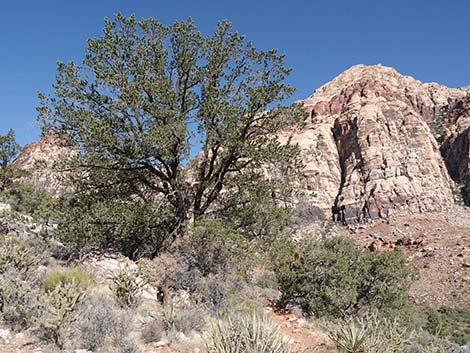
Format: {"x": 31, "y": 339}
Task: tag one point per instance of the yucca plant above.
{"x": 246, "y": 333}
{"x": 352, "y": 336}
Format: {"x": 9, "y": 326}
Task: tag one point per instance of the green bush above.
{"x": 424, "y": 342}
{"x": 62, "y": 276}
{"x": 26, "y": 199}
{"x": 17, "y": 255}
{"x": 333, "y": 277}
{"x": 450, "y": 323}
{"x": 59, "y": 304}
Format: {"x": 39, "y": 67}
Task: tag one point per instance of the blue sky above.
{"x": 429, "y": 40}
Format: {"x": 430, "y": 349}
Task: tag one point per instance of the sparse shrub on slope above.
{"x": 173, "y": 320}
{"x": 19, "y": 292}
{"x": 453, "y": 324}
{"x": 424, "y": 342}
{"x": 333, "y": 277}
{"x": 101, "y": 324}
{"x": 19, "y": 300}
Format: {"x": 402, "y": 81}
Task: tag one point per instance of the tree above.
{"x": 9, "y": 149}
{"x": 148, "y": 95}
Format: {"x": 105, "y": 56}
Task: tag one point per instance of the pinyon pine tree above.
{"x": 146, "y": 97}
{"x": 9, "y": 149}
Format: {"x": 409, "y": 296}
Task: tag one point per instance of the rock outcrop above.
{"x": 368, "y": 148}
{"x": 455, "y": 147}
{"x": 41, "y": 159}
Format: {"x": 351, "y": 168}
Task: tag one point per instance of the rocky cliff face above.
{"x": 455, "y": 147}
{"x": 369, "y": 149}
{"x": 40, "y": 160}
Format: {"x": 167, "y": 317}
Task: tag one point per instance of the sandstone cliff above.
{"x": 41, "y": 159}
{"x": 369, "y": 148}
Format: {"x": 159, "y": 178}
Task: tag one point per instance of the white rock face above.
{"x": 368, "y": 149}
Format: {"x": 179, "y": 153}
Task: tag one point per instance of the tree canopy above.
{"x": 147, "y": 96}
{"x": 9, "y": 150}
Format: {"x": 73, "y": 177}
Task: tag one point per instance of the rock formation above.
{"x": 455, "y": 147}
{"x": 40, "y": 160}
{"x": 369, "y": 149}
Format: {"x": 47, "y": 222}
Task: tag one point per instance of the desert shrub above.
{"x": 243, "y": 333}
{"x": 59, "y": 277}
{"x": 333, "y": 277}
{"x": 19, "y": 292}
{"x": 59, "y": 305}
{"x": 126, "y": 344}
{"x": 19, "y": 299}
{"x": 351, "y": 337}
{"x": 450, "y": 323}
{"x": 424, "y": 342}
{"x": 173, "y": 319}
{"x": 214, "y": 290}
{"x": 100, "y": 323}
{"x": 188, "y": 320}
{"x": 126, "y": 286}
{"x": 135, "y": 231}
{"x": 27, "y": 199}
{"x": 214, "y": 248}
{"x": 154, "y": 330}
{"x": 17, "y": 255}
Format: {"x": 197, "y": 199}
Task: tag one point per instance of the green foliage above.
{"x": 216, "y": 248}
{"x": 424, "y": 342}
{"x": 17, "y": 255}
{"x": 238, "y": 334}
{"x": 135, "y": 229}
{"x": 126, "y": 286}
{"x": 9, "y": 149}
{"x": 60, "y": 277}
{"x": 453, "y": 324}
{"x": 59, "y": 304}
{"x": 26, "y": 199}
{"x": 351, "y": 337}
{"x": 333, "y": 277}
{"x": 143, "y": 95}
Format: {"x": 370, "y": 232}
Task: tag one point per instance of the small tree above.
{"x": 9, "y": 149}
{"x": 148, "y": 95}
